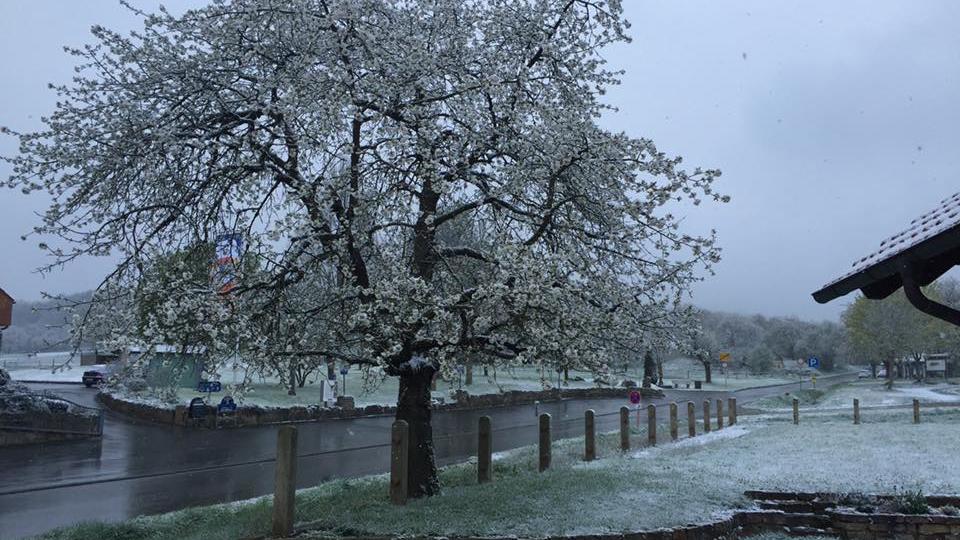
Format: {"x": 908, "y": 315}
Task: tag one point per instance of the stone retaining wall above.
{"x": 878, "y": 526}
{"x": 747, "y": 523}
{"x": 251, "y": 415}
{"x": 737, "y": 525}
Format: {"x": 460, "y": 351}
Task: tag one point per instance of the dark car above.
{"x": 93, "y": 378}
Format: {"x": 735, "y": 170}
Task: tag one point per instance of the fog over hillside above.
{"x": 39, "y": 326}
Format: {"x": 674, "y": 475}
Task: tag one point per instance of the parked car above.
{"x": 863, "y": 375}
{"x": 93, "y": 378}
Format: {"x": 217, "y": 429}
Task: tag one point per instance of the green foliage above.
{"x": 888, "y": 330}
{"x": 911, "y": 502}
{"x": 759, "y": 343}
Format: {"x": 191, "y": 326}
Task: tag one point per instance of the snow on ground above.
{"x": 74, "y": 373}
{"x": 716, "y": 435}
{"x": 687, "y": 482}
{"x": 871, "y": 393}
{"x": 935, "y": 393}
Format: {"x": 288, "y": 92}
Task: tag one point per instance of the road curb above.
{"x": 47, "y": 382}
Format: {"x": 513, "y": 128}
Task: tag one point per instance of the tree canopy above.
{"x": 415, "y": 183}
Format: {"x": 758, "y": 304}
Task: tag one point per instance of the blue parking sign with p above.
{"x": 813, "y": 362}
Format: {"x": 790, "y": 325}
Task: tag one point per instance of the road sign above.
{"x": 344, "y": 370}
{"x": 813, "y": 362}
{"x": 209, "y": 386}
{"x": 936, "y": 365}
{"x": 724, "y": 357}
{"x": 634, "y": 397}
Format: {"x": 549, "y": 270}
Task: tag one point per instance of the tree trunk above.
{"x": 413, "y": 405}
{"x": 707, "y": 375}
{"x": 469, "y": 377}
{"x": 566, "y": 375}
{"x": 873, "y": 369}
{"x": 293, "y": 380}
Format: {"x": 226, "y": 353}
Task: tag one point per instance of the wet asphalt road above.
{"x": 139, "y": 468}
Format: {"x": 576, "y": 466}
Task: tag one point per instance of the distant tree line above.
{"x": 760, "y": 344}
{"x": 894, "y": 334}
{"x": 40, "y": 326}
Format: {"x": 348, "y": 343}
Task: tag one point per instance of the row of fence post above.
{"x": 856, "y": 411}
{"x": 284, "y": 500}
{"x": 286, "y": 465}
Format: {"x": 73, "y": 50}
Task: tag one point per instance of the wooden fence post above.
{"x": 691, "y": 419}
{"x": 544, "y": 441}
{"x": 399, "y": 450}
{"x": 674, "y": 428}
{"x": 856, "y": 411}
{"x": 589, "y": 436}
{"x": 285, "y": 486}
{"x": 706, "y": 416}
{"x": 652, "y": 424}
{"x": 732, "y": 406}
{"x": 624, "y": 429}
{"x": 719, "y": 414}
{"x": 796, "y": 411}
{"x": 484, "y": 451}
{"x": 916, "y": 411}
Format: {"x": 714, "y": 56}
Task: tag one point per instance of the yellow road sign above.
{"x": 724, "y": 357}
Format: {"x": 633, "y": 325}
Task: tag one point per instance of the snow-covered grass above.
{"x": 871, "y": 393}
{"x": 270, "y": 393}
{"x": 73, "y": 373}
{"x": 674, "y": 484}
{"x": 273, "y": 394}
{"x": 684, "y": 371}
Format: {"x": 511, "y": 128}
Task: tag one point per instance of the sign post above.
{"x": 343, "y": 373}
{"x": 635, "y": 401}
{"x": 724, "y": 360}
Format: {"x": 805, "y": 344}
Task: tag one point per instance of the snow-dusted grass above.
{"x": 674, "y": 484}
{"x": 737, "y": 382}
{"x": 871, "y": 393}
{"x": 72, "y": 374}
{"x": 44, "y": 367}
{"x": 684, "y": 371}
{"x": 273, "y": 394}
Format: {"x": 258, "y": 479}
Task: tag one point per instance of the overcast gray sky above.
{"x": 835, "y": 124}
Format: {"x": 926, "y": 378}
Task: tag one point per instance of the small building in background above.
{"x": 6, "y": 309}
{"x": 172, "y": 366}
{"x": 940, "y": 365}
{"x": 6, "y": 313}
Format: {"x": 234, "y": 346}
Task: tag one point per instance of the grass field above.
{"x": 383, "y": 390}
{"x": 690, "y": 481}
{"x": 870, "y": 392}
